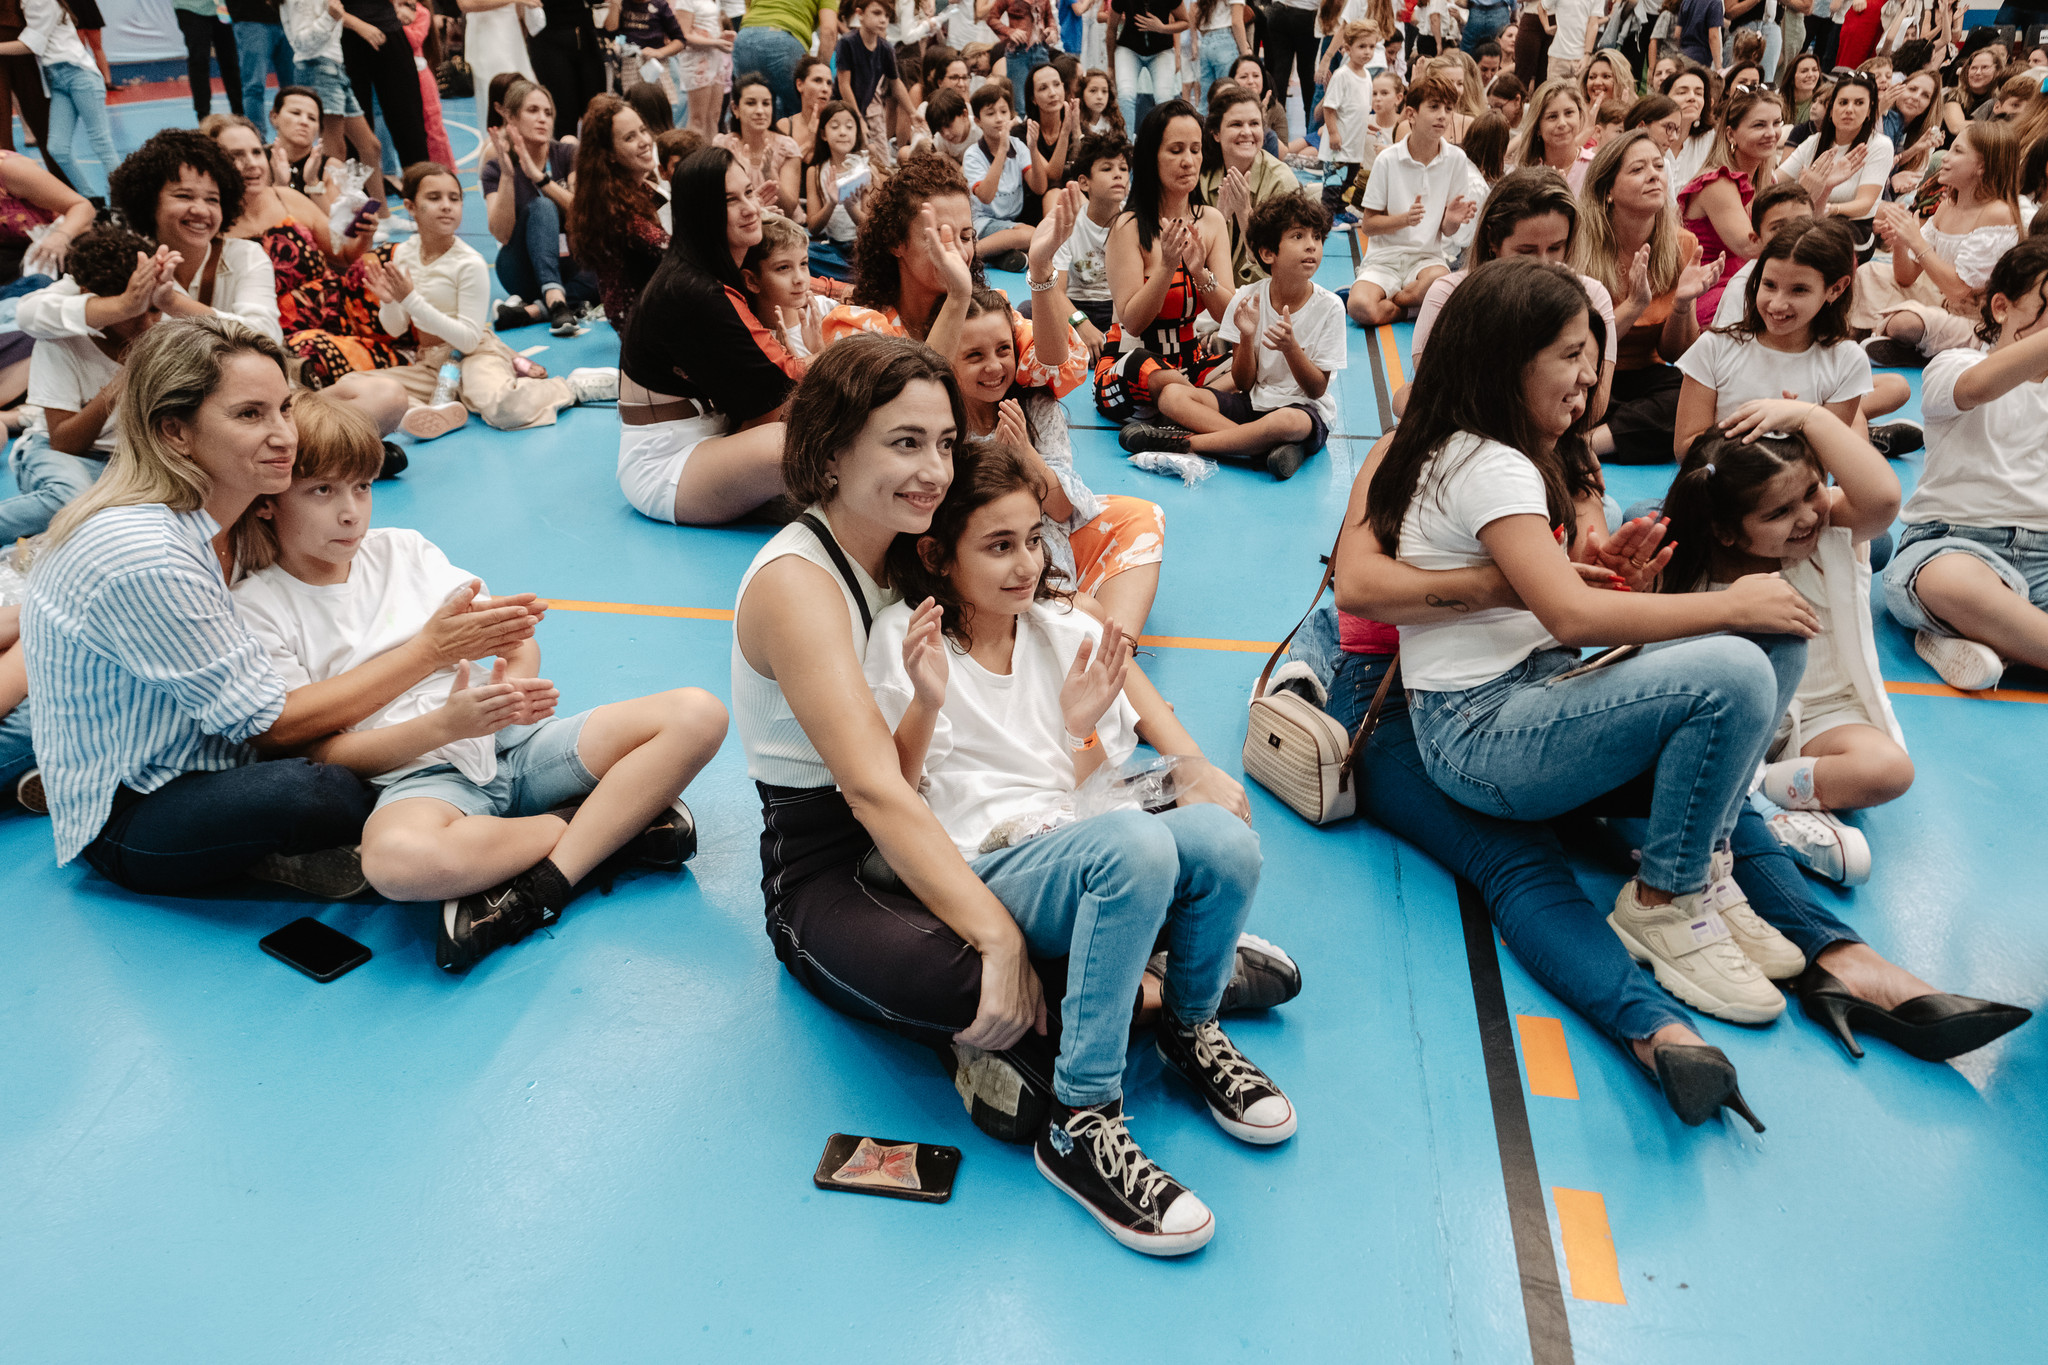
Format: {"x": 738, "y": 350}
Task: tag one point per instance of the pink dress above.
{"x": 430, "y": 89}
{"x": 1711, "y": 244}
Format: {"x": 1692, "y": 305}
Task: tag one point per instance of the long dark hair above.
{"x": 1715, "y": 489}
{"x": 1825, "y": 244}
{"x": 1497, "y": 321}
{"x": 697, "y": 197}
{"x": 608, "y": 197}
{"x": 1825, "y": 131}
{"x": 820, "y": 151}
{"x": 1143, "y": 202}
{"x": 1530, "y": 192}
{"x": 983, "y": 471}
{"x": 2016, "y": 273}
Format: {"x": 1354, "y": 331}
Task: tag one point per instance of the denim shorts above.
{"x": 538, "y": 770}
{"x": 2017, "y": 556}
{"x": 326, "y": 79}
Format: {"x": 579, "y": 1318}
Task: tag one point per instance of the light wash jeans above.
{"x": 78, "y": 101}
{"x": 774, "y": 53}
{"x": 1097, "y": 893}
{"x": 1128, "y": 65}
{"x": 263, "y": 49}
{"x": 17, "y": 755}
{"x": 1218, "y": 50}
{"x": 1774, "y": 43}
{"x": 1699, "y": 712}
{"x": 44, "y": 480}
{"x": 1018, "y": 66}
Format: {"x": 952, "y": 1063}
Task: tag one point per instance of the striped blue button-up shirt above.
{"x": 138, "y": 665}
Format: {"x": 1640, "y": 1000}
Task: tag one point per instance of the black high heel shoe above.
{"x": 1933, "y": 1028}
{"x": 1698, "y": 1081}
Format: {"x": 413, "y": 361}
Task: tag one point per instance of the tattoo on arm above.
{"x": 1448, "y": 603}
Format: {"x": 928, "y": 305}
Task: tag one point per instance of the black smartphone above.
{"x": 318, "y": 951}
{"x": 894, "y": 1170}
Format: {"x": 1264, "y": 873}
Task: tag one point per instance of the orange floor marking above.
{"x": 1392, "y": 355}
{"x": 1588, "y": 1245}
{"x": 636, "y": 609}
{"x": 1545, "y": 1056}
{"x": 1913, "y": 689}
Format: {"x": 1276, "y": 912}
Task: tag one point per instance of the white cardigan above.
{"x": 1845, "y": 569}
{"x": 245, "y": 290}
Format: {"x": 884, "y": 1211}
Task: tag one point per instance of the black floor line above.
{"x": 1550, "y": 1334}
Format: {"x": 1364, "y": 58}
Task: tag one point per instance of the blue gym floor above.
{"x": 598, "y": 1144}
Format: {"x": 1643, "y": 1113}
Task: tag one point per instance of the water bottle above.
{"x": 448, "y": 381}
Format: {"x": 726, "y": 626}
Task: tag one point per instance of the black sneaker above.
{"x": 1089, "y": 1154}
{"x": 1141, "y": 436}
{"x": 472, "y": 926}
{"x": 1002, "y": 1098}
{"x": 1282, "y": 461}
{"x": 395, "y": 461}
{"x": 1243, "y": 1099}
{"x": 668, "y": 843}
{"x": 1013, "y": 261}
{"x": 29, "y": 792}
{"x": 1896, "y": 439}
{"x": 511, "y": 315}
{"x": 332, "y": 874}
{"x": 1892, "y": 354}
{"x": 1265, "y": 976}
{"x": 563, "y": 320}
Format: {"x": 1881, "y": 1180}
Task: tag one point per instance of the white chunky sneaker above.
{"x": 429, "y": 420}
{"x": 1695, "y": 957}
{"x": 1962, "y": 664}
{"x": 1824, "y": 845}
{"x": 1760, "y": 943}
{"x": 595, "y": 384}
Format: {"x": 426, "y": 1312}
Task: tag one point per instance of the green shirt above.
{"x": 795, "y": 17}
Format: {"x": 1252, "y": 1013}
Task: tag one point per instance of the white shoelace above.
{"x": 1218, "y": 1055}
{"x": 1117, "y": 1156}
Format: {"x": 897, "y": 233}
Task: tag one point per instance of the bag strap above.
{"x": 211, "y": 272}
{"x": 860, "y": 599}
{"x": 1379, "y": 698}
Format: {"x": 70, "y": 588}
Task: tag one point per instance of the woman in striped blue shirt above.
{"x": 150, "y": 702}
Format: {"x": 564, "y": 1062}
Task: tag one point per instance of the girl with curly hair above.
{"x": 618, "y": 211}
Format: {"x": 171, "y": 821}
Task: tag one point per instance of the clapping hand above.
{"x": 1095, "y": 680}
{"x": 924, "y": 655}
{"x": 473, "y": 712}
{"x": 1055, "y": 226}
{"x": 1280, "y": 335}
{"x": 1456, "y": 214}
{"x": 808, "y": 327}
{"x": 1011, "y": 428}
{"x": 942, "y": 248}
{"x": 1697, "y": 278}
{"x": 1246, "y": 315}
{"x": 387, "y": 279}
{"x": 1414, "y": 213}
{"x": 1631, "y": 556}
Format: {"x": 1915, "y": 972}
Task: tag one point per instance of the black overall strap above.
{"x": 860, "y": 599}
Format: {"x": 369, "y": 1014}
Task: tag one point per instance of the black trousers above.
{"x": 570, "y": 65}
{"x": 208, "y": 39}
{"x": 387, "y": 76}
{"x": 1291, "y": 42}
{"x": 1642, "y": 413}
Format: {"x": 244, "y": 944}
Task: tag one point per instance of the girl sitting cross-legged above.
{"x": 1004, "y": 699}
{"x": 487, "y": 801}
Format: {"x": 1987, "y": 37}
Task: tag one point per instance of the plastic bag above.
{"x": 1190, "y": 469}
{"x": 347, "y": 180}
{"x": 13, "y": 582}
{"x": 38, "y": 260}
{"x": 1141, "y": 783}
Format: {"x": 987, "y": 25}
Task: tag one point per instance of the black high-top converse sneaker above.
{"x": 1089, "y": 1154}
{"x": 1243, "y": 1099}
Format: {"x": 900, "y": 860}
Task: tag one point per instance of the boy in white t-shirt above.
{"x": 75, "y": 381}
{"x": 999, "y": 169}
{"x": 1104, "y": 161}
{"x": 490, "y": 803}
{"x": 1970, "y": 577}
{"x": 1290, "y": 337}
{"x": 1419, "y": 205}
{"x": 1347, "y": 112}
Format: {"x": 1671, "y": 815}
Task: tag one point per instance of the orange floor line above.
{"x": 1588, "y": 1245}
{"x": 1916, "y": 689}
{"x": 1546, "y": 1057}
{"x": 1392, "y": 355}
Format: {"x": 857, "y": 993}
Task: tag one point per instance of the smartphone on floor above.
{"x": 894, "y": 1170}
{"x": 318, "y": 951}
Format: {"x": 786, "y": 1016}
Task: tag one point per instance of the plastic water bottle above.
{"x": 448, "y": 380}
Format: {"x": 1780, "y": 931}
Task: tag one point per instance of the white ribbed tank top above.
{"x": 778, "y": 751}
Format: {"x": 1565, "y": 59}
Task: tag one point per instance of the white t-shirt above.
{"x": 1398, "y": 179}
{"x": 1440, "y": 294}
{"x": 1468, "y": 484}
{"x": 312, "y": 633}
{"x": 1734, "y": 298}
{"x": 1320, "y": 328}
{"x": 1739, "y": 368}
{"x": 1349, "y": 96}
{"x": 1987, "y": 466}
{"x": 999, "y": 753}
{"x": 1085, "y": 258}
{"x": 1877, "y": 167}
{"x": 67, "y": 373}
{"x": 1572, "y": 17}
{"x": 1009, "y": 201}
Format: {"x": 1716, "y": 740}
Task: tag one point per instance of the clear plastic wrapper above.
{"x": 1143, "y": 782}
{"x": 347, "y": 179}
{"x": 1189, "y": 469}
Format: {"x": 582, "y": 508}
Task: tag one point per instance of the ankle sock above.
{"x": 1789, "y": 784}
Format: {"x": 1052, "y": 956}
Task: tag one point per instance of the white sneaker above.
{"x": 1962, "y": 664}
{"x": 1760, "y": 943}
{"x": 429, "y": 420}
{"x": 1695, "y": 957}
{"x": 1824, "y": 845}
{"x": 595, "y": 384}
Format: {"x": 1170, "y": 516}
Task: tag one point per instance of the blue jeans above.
{"x": 1128, "y": 65}
{"x": 2019, "y": 558}
{"x": 1018, "y": 66}
{"x": 44, "y": 480}
{"x": 1218, "y": 51}
{"x": 1483, "y": 25}
{"x": 205, "y": 828}
{"x": 1098, "y": 893}
{"x": 78, "y": 100}
{"x": 1774, "y": 41}
{"x": 1528, "y": 745}
{"x": 774, "y": 53}
{"x": 262, "y": 49}
{"x": 17, "y": 755}
{"x": 532, "y": 262}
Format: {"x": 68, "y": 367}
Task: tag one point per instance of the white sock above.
{"x": 1789, "y": 784}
